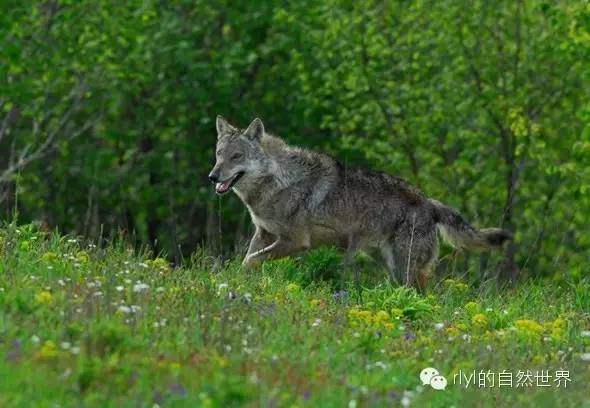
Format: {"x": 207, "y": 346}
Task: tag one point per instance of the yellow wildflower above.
{"x": 529, "y": 327}
{"x": 461, "y": 286}
{"x": 82, "y": 257}
{"x": 367, "y": 318}
{"x": 49, "y": 256}
{"x": 44, "y": 297}
{"x": 221, "y": 361}
{"x": 382, "y": 317}
{"x": 315, "y": 302}
{"x": 559, "y": 323}
{"x": 479, "y": 320}
{"x": 452, "y": 283}
{"x": 160, "y": 263}
{"x": 453, "y": 331}
{"x": 175, "y": 368}
{"x": 48, "y": 350}
{"x": 558, "y": 328}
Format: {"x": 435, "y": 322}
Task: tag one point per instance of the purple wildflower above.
{"x": 340, "y": 296}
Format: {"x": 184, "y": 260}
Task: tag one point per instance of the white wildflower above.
{"x": 140, "y": 287}
{"x": 380, "y": 364}
{"x": 124, "y": 309}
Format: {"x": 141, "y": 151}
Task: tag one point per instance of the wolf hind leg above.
{"x": 424, "y": 274}
{"x": 348, "y": 263}
{"x": 415, "y": 258}
{"x": 388, "y": 258}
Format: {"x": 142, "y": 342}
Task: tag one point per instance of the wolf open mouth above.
{"x": 224, "y": 186}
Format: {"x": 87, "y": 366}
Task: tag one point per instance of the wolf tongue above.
{"x": 222, "y": 186}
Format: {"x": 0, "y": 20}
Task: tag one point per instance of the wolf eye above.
{"x": 236, "y": 156}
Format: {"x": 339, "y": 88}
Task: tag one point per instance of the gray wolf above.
{"x": 300, "y": 199}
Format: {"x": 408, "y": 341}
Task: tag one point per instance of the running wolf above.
{"x": 300, "y": 199}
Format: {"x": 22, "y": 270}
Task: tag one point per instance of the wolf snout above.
{"x": 213, "y": 177}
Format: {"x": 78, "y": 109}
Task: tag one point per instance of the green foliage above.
{"x": 187, "y": 336}
{"x": 404, "y": 299}
{"x": 483, "y": 104}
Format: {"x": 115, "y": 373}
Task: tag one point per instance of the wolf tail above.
{"x": 456, "y": 230}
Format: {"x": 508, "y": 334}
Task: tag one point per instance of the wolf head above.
{"x": 239, "y": 156}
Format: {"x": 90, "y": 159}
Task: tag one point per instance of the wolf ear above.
{"x": 223, "y": 126}
{"x": 255, "y": 130}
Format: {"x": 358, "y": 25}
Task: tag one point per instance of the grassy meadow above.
{"x": 108, "y": 326}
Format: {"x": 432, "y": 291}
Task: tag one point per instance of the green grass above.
{"x": 87, "y": 326}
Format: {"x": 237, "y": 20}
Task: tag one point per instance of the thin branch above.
{"x": 45, "y": 148}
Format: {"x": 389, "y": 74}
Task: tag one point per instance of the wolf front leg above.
{"x": 280, "y": 248}
{"x": 260, "y": 240}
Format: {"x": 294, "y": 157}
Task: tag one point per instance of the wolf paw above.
{"x": 251, "y": 262}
